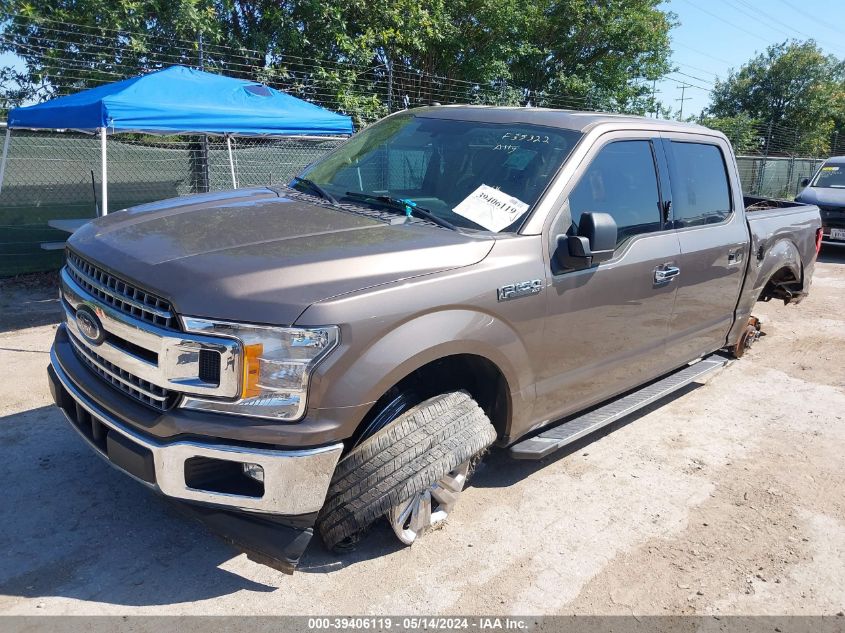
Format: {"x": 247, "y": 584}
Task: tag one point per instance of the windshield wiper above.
{"x": 409, "y": 207}
{"x": 313, "y": 186}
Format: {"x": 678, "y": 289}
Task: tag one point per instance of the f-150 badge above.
{"x": 520, "y": 289}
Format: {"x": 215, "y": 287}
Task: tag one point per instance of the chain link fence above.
{"x": 55, "y": 176}
{"x": 775, "y": 176}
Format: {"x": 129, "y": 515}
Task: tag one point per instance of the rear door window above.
{"x": 621, "y": 181}
{"x": 700, "y": 190}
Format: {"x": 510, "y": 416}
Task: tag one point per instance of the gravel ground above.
{"x": 725, "y": 499}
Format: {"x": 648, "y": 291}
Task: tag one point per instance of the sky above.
{"x": 716, "y": 35}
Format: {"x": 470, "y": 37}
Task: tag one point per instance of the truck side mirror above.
{"x": 594, "y": 243}
{"x": 805, "y": 182}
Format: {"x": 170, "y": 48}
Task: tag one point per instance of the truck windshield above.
{"x": 473, "y": 174}
{"x": 831, "y": 176}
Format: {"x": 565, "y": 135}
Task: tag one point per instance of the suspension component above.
{"x": 748, "y": 337}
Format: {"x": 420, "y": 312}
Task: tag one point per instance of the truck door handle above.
{"x": 663, "y": 274}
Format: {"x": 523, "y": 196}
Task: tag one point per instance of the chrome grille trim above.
{"x": 138, "y": 388}
{"x": 118, "y": 293}
{"x": 172, "y": 366}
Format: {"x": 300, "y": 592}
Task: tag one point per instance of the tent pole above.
{"x": 5, "y": 155}
{"x": 231, "y": 161}
{"x": 104, "y": 176}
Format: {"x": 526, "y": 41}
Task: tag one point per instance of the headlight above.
{"x": 276, "y": 363}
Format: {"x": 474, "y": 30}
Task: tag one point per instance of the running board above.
{"x": 549, "y": 441}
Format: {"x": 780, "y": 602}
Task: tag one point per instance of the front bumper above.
{"x": 205, "y": 472}
{"x": 832, "y": 218}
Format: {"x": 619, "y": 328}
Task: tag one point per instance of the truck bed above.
{"x": 755, "y": 203}
{"x": 783, "y": 247}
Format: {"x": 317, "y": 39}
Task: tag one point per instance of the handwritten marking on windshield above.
{"x": 529, "y": 138}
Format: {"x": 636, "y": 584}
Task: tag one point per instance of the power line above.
{"x": 728, "y": 22}
{"x": 687, "y": 83}
{"x": 698, "y": 68}
{"x": 694, "y": 77}
{"x": 700, "y": 52}
{"x": 299, "y": 75}
{"x": 790, "y": 31}
{"x": 809, "y": 17}
{"x": 754, "y": 15}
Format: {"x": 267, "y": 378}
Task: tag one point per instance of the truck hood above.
{"x": 825, "y": 196}
{"x": 256, "y": 255}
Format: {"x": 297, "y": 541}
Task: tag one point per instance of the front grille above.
{"x": 120, "y": 294}
{"x": 142, "y": 390}
{"x": 827, "y": 209}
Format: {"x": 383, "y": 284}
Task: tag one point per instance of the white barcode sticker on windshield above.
{"x": 491, "y": 208}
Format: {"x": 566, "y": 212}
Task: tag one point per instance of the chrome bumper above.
{"x": 295, "y": 481}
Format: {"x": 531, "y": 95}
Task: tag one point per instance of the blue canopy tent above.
{"x": 178, "y": 100}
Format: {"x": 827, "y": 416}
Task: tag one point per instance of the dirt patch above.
{"x": 757, "y": 526}
{"x": 29, "y": 300}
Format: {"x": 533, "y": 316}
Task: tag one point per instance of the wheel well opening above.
{"x": 474, "y": 374}
{"x": 783, "y": 285}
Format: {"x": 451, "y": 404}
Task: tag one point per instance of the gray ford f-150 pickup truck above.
{"x": 343, "y": 349}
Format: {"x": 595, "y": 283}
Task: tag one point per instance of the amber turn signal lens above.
{"x": 252, "y": 353}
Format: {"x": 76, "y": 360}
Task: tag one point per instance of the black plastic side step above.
{"x": 549, "y": 441}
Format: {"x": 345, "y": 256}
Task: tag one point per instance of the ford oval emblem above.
{"x": 89, "y": 325}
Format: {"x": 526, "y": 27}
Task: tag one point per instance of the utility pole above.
{"x": 683, "y": 89}
{"x": 835, "y": 142}
{"x": 654, "y": 96}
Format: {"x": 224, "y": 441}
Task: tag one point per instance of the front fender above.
{"x": 363, "y": 376}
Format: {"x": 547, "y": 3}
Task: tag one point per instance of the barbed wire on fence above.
{"x": 84, "y": 55}
{"x": 59, "y": 51}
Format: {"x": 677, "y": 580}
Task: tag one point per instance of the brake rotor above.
{"x": 748, "y": 337}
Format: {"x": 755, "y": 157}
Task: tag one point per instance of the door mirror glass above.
{"x": 805, "y": 182}
{"x": 594, "y": 243}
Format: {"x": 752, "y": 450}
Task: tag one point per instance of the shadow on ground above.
{"x": 499, "y": 470}
{"x": 74, "y": 527}
{"x": 79, "y": 529}
{"x": 832, "y": 254}
{"x": 29, "y": 301}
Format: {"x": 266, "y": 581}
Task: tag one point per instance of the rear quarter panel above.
{"x": 780, "y": 238}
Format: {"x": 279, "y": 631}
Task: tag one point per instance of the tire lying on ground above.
{"x": 421, "y": 454}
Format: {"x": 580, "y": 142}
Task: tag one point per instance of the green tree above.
{"x": 564, "y": 53}
{"x": 743, "y": 131}
{"x": 792, "y": 89}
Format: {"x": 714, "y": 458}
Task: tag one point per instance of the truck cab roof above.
{"x": 567, "y": 119}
